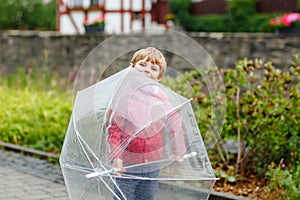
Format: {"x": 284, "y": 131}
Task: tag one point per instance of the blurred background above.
{"x": 70, "y": 16}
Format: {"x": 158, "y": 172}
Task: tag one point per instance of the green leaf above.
{"x": 231, "y": 179}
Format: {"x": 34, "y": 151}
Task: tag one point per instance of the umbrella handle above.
{"x": 193, "y": 154}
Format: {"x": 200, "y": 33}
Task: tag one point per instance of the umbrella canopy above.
{"x": 149, "y": 127}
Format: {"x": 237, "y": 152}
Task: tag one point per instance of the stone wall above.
{"x": 66, "y": 53}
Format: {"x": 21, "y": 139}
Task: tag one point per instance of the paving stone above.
{"x": 27, "y": 178}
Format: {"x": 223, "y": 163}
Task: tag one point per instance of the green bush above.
{"x": 239, "y": 13}
{"x": 177, "y": 6}
{"x": 265, "y": 104}
{"x": 34, "y": 14}
{"x": 34, "y": 110}
{"x": 262, "y": 115}
{"x": 241, "y": 17}
{"x": 283, "y": 183}
{"x": 211, "y": 23}
{"x": 259, "y": 23}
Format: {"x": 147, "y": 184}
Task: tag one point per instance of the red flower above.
{"x": 285, "y": 20}
{"x": 99, "y": 21}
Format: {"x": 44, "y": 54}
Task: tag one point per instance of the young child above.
{"x": 146, "y": 147}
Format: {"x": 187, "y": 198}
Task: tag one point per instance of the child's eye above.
{"x": 154, "y": 69}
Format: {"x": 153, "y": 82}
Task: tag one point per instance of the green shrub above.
{"x": 16, "y": 14}
{"x": 266, "y": 102}
{"x": 259, "y": 23}
{"x": 283, "y": 183}
{"x": 34, "y": 110}
{"x": 262, "y": 115}
{"x": 211, "y": 23}
{"x": 241, "y": 17}
{"x": 239, "y": 13}
{"x": 177, "y": 6}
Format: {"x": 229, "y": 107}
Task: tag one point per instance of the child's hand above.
{"x": 118, "y": 165}
{"x": 178, "y": 159}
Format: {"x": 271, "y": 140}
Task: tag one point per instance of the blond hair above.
{"x": 153, "y": 55}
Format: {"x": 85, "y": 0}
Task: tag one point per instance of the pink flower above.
{"x": 281, "y": 163}
{"x": 285, "y": 20}
{"x": 293, "y": 17}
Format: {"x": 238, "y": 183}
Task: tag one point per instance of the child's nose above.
{"x": 147, "y": 69}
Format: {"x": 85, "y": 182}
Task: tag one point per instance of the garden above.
{"x": 262, "y": 103}
{"x": 262, "y": 113}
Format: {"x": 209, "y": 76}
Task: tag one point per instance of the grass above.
{"x": 35, "y": 109}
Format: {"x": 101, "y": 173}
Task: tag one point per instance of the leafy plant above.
{"x": 262, "y": 115}
{"x": 264, "y": 104}
{"x": 283, "y": 183}
{"x": 228, "y": 176}
{"x": 242, "y": 8}
{"x": 177, "y": 6}
{"x": 241, "y": 17}
{"x": 34, "y": 110}
{"x": 180, "y": 8}
{"x": 239, "y": 13}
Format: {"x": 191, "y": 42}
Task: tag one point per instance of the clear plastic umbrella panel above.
{"x": 150, "y": 128}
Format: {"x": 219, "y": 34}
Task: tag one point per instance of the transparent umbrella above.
{"x": 149, "y": 128}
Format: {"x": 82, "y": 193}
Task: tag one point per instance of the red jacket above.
{"x": 137, "y": 123}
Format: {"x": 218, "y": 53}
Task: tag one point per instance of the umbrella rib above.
{"x": 111, "y": 190}
{"x": 77, "y": 168}
{"x": 81, "y": 140}
{"x": 111, "y": 100}
{"x": 115, "y": 91}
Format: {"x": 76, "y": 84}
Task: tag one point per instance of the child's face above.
{"x": 149, "y": 69}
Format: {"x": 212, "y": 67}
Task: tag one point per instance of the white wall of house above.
{"x": 112, "y": 20}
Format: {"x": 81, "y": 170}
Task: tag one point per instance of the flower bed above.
{"x": 287, "y": 24}
{"x": 95, "y": 26}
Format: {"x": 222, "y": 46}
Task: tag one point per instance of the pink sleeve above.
{"x": 114, "y": 140}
